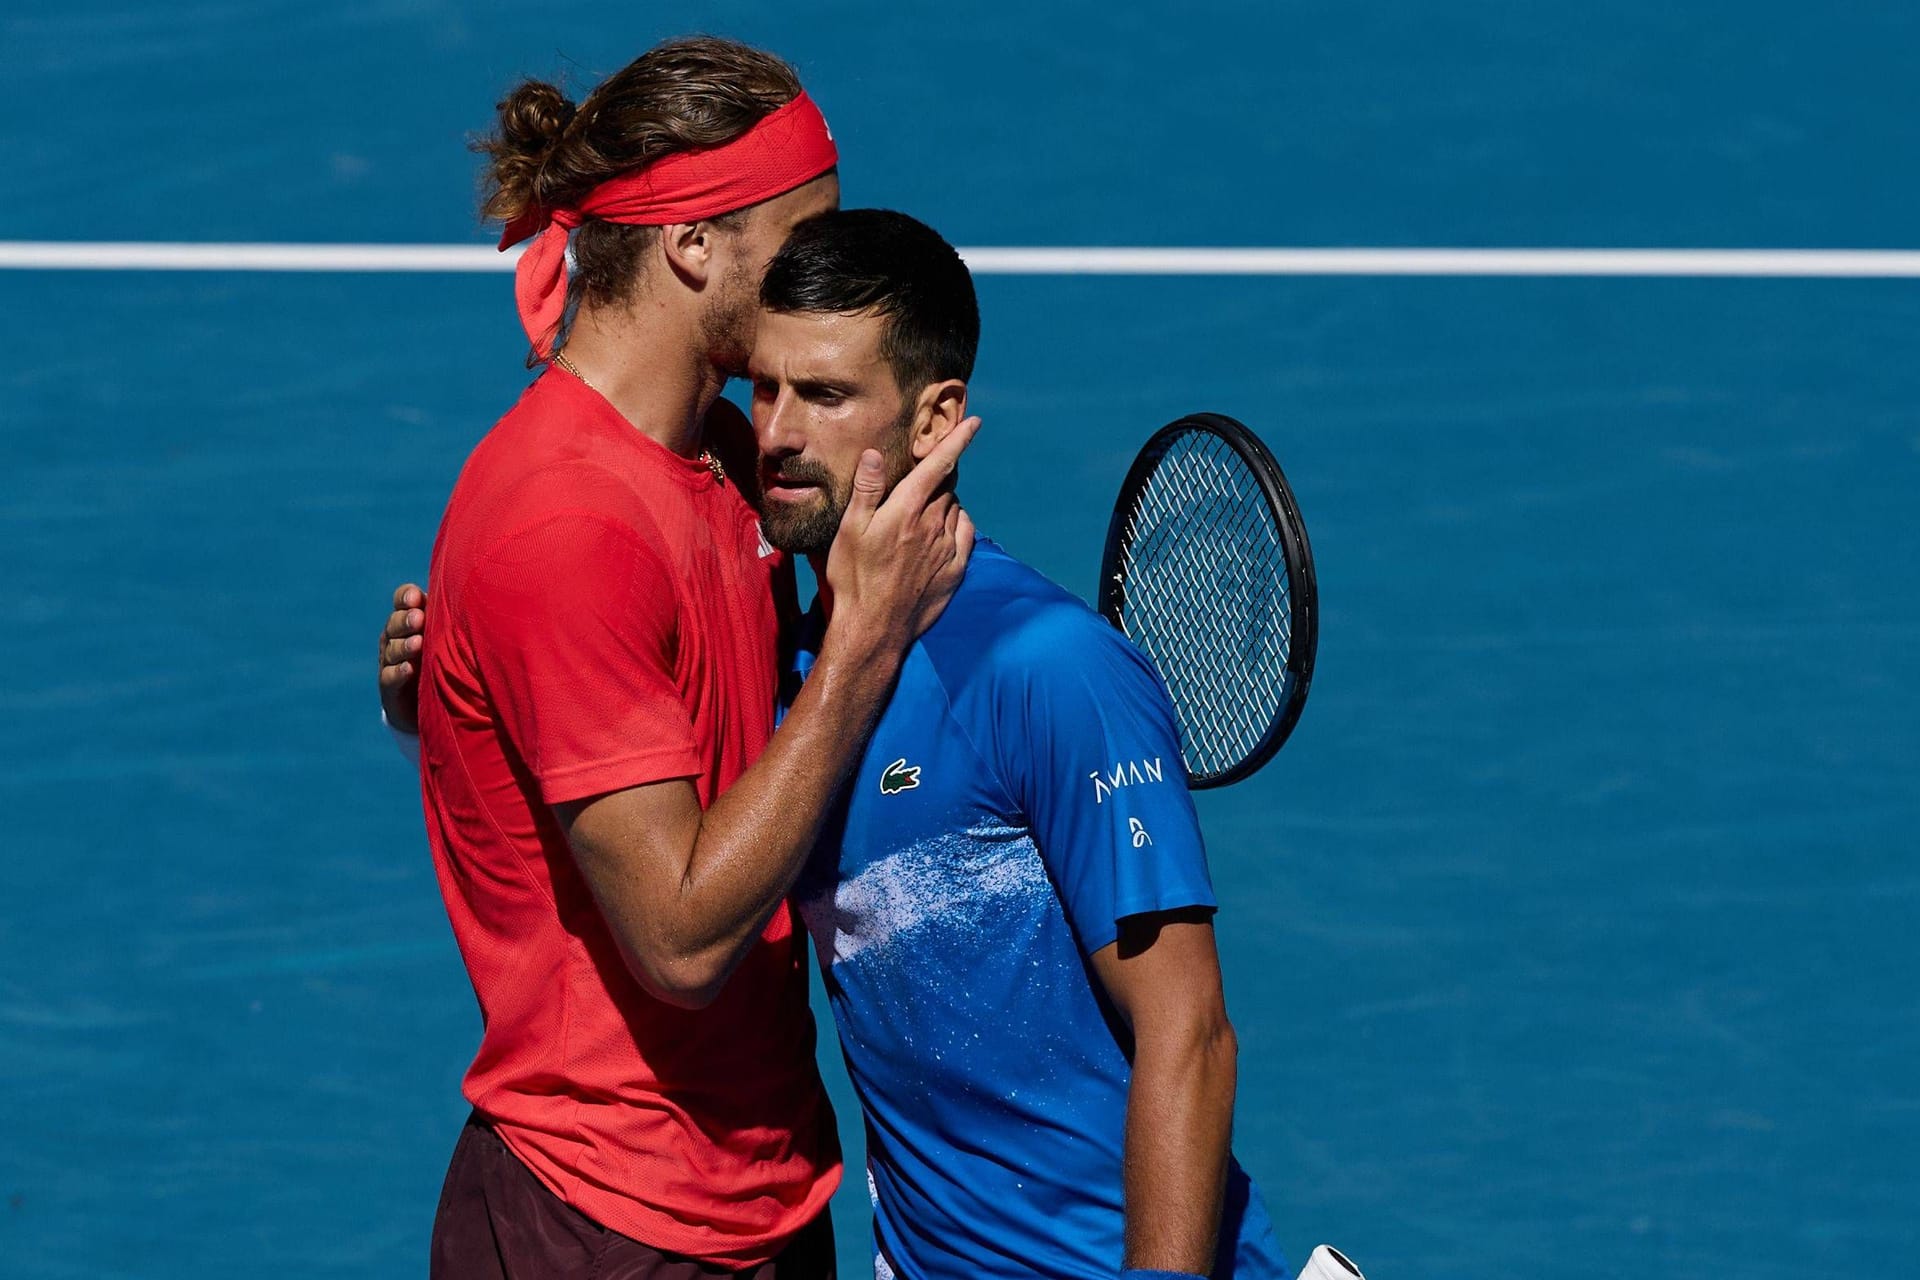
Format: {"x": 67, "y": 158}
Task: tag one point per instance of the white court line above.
{"x": 54, "y": 255}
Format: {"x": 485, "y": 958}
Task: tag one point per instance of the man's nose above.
{"x": 778, "y": 427}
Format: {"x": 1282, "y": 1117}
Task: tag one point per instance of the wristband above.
{"x": 408, "y": 743}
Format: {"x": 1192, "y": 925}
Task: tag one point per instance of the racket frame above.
{"x": 1303, "y": 590}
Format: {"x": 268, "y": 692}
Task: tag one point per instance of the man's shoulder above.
{"x": 529, "y": 461}
{"x": 1009, "y": 622}
{"x": 553, "y": 524}
{"x": 529, "y": 474}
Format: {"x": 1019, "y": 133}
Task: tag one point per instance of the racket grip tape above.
{"x": 1328, "y": 1263}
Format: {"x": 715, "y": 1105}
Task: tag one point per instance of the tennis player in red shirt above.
{"x": 614, "y": 822}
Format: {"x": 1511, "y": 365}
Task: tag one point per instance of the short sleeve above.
{"x": 573, "y": 626}
{"x": 1088, "y": 746}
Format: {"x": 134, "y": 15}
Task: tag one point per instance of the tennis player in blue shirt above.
{"x": 1010, "y": 903}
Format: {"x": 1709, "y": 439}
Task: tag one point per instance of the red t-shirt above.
{"x": 604, "y": 616}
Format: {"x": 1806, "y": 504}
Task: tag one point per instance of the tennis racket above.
{"x": 1207, "y": 568}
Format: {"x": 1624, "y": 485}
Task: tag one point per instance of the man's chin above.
{"x": 799, "y": 533}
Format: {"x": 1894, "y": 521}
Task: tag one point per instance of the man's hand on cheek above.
{"x": 899, "y": 557}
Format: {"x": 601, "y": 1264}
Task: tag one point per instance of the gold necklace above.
{"x": 706, "y": 456}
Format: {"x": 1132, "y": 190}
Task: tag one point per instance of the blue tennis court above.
{"x": 1572, "y": 934}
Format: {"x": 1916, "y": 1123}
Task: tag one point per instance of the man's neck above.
{"x": 651, "y": 366}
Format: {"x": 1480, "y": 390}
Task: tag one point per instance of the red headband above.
{"x": 790, "y": 147}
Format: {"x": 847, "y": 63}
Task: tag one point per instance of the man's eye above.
{"x": 765, "y": 390}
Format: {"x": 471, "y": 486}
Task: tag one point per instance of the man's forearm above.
{"x": 1179, "y": 1129}
{"x": 756, "y": 837}
{"x": 687, "y": 893}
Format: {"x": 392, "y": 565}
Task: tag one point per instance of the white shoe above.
{"x": 1328, "y": 1263}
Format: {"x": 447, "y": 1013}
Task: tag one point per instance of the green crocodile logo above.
{"x": 899, "y": 776}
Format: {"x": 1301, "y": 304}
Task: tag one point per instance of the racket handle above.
{"x": 1328, "y": 1263}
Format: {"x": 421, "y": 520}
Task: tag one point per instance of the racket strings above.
{"x": 1208, "y": 598}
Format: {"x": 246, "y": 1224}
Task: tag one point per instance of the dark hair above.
{"x": 700, "y": 91}
{"x": 877, "y": 260}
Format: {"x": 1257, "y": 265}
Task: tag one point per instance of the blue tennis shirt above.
{"x": 1022, "y": 794}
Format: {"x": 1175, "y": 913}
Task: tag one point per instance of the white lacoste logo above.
{"x": 1140, "y": 836}
{"x": 1127, "y": 773}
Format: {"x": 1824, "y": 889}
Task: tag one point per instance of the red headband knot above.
{"x": 786, "y": 149}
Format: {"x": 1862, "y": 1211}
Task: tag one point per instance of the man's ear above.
{"x": 943, "y": 406}
{"x": 688, "y": 248}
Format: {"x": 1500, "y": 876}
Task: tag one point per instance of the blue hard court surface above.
{"x": 1574, "y": 934}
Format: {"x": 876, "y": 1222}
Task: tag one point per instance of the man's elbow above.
{"x": 685, "y": 980}
{"x": 1219, "y": 1044}
{"x": 691, "y": 994}
{"x": 1203, "y": 1042}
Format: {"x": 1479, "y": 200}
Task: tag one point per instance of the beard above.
{"x": 726, "y": 327}
{"x": 808, "y": 528}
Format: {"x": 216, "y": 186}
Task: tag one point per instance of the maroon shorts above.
{"x": 498, "y": 1222}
